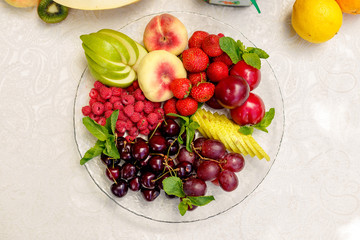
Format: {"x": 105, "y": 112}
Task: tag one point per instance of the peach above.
{"x": 23, "y": 3}
{"x": 156, "y": 71}
{"x": 165, "y": 32}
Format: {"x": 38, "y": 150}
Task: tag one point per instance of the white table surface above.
{"x": 311, "y": 192}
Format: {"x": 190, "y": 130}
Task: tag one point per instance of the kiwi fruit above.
{"x": 52, "y": 12}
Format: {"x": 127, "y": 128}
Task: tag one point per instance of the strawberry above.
{"x": 197, "y": 38}
{"x": 223, "y": 58}
{"x": 170, "y": 107}
{"x": 203, "y": 91}
{"x": 217, "y": 71}
{"x": 211, "y": 45}
{"x": 195, "y": 60}
{"x": 180, "y": 87}
{"x": 187, "y": 106}
{"x": 195, "y": 78}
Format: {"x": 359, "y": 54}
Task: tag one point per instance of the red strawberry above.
{"x": 195, "y": 60}
{"x": 197, "y": 38}
{"x": 170, "y": 107}
{"x": 217, "y": 71}
{"x": 180, "y": 87}
{"x": 203, "y": 91}
{"x": 187, "y": 106}
{"x": 211, "y": 45}
{"x": 223, "y": 58}
{"x": 195, "y": 78}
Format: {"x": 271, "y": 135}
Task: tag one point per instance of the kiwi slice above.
{"x": 52, "y": 12}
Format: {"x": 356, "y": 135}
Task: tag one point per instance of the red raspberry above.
{"x": 152, "y": 127}
{"x": 134, "y": 132}
{"x": 139, "y": 95}
{"x": 108, "y": 106}
{"x": 120, "y": 126}
{"x": 169, "y": 107}
{"x": 129, "y": 110}
{"x": 98, "y": 108}
{"x": 100, "y": 99}
{"x": 108, "y": 113}
{"x": 196, "y": 78}
{"x": 118, "y": 105}
{"x": 148, "y": 107}
{"x": 223, "y": 58}
{"x": 94, "y": 117}
{"x": 211, "y": 45}
{"x": 135, "y": 85}
{"x": 93, "y": 93}
{"x": 102, "y": 121}
{"x": 139, "y": 106}
{"x": 152, "y": 118}
{"x": 127, "y": 99}
{"x": 145, "y": 132}
{"x": 86, "y": 110}
{"x": 122, "y": 116}
{"x": 116, "y": 91}
{"x": 105, "y": 92}
{"x": 217, "y": 71}
{"x": 135, "y": 117}
{"x": 98, "y": 85}
{"x": 160, "y": 113}
{"x": 195, "y": 60}
{"x": 197, "y": 38}
{"x": 92, "y": 101}
{"x": 130, "y": 89}
{"x": 157, "y": 104}
{"x": 142, "y": 124}
{"x": 129, "y": 124}
{"x": 114, "y": 99}
{"x": 130, "y": 139}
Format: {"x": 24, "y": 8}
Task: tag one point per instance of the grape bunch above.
{"x": 145, "y": 163}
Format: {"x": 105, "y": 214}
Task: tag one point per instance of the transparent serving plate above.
{"x": 164, "y": 209}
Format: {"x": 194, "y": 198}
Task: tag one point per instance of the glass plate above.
{"x": 164, "y": 209}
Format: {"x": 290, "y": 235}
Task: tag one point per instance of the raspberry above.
{"x": 127, "y": 99}
{"x": 135, "y": 117}
{"x": 142, "y": 124}
{"x": 129, "y": 124}
{"x": 108, "y": 113}
{"x": 105, "y": 92}
{"x": 157, "y": 104}
{"x": 102, "y": 121}
{"x": 92, "y": 101}
{"x": 94, "y": 117}
{"x": 139, "y": 106}
{"x": 129, "y": 110}
{"x": 120, "y": 126}
{"x": 114, "y": 99}
{"x": 93, "y": 93}
{"x": 130, "y": 89}
{"x": 118, "y": 105}
{"x": 108, "y": 106}
{"x": 159, "y": 112}
{"x": 145, "y": 132}
{"x": 152, "y": 118}
{"x": 98, "y": 108}
{"x": 148, "y": 107}
{"x": 86, "y": 110}
{"x": 135, "y": 85}
{"x": 122, "y": 116}
{"x": 100, "y": 99}
{"x": 130, "y": 139}
{"x": 170, "y": 107}
{"x": 152, "y": 127}
{"x": 139, "y": 95}
{"x": 116, "y": 91}
{"x": 134, "y": 132}
{"x": 98, "y": 85}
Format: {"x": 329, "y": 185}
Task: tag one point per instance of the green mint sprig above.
{"x": 262, "y": 125}
{"x": 237, "y": 52}
{"x": 186, "y": 125}
{"x": 106, "y": 142}
{"x": 174, "y": 186}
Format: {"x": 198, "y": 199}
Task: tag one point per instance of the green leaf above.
{"x": 252, "y": 59}
{"x": 186, "y": 119}
{"x": 111, "y": 121}
{"x": 110, "y": 148}
{"x": 183, "y": 207}
{"x": 93, "y": 152}
{"x": 173, "y": 186}
{"x": 201, "y": 200}
{"x": 266, "y": 121}
{"x": 246, "y": 130}
{"x": 261, "y": 53}
{"x": 100, "y": 132}
{"x": 182, "y": 130}
{"x": 230, "y": 47}
{"x": 241, "y": 46}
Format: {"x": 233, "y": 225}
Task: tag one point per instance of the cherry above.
{"x": 113, "y": 173}
{"x": 156, "y": 163}
{"x": 157, "y": 144}
{"x": 184, "y": 169}
{"x": 147, "y": 180}
{"x": 109, "y": 161}
{"x": 169, "y": 128}
{"x": 120, "y": 188}
{"x": 140, "y": 150}
{"x": 150, "y": 194}
{"x": 128, "y": 171}
{"x": 134, "y": 184}
{"x": 172, "y": 146}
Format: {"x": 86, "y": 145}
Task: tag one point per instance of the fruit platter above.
{"x": 167, "y": 128}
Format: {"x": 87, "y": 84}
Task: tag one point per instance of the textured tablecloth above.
{"x": 311, "y": 192}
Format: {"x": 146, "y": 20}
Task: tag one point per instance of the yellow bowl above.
{"x": 95, "y": 4}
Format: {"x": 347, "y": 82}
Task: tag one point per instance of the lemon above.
{"x": 316, "y": 21}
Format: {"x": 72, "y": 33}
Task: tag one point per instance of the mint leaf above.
{"x": 183, "y": 207}
{"x": 173, "y": 186}
{"x": 100, "y": 132}
{"x": 252, "y": 59}
{"x": 111, "y": 121}
{"x": 261, "y": 53}
{"x": 266, "y": 121}
{"x": 230, "y": 47}
{"x": 200, "y": 200}
{"x": 93, "y": 152}
{"x": 246, "y": 130}
{"x": 241, "y": 46}
{"x": 110, "y": 148}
